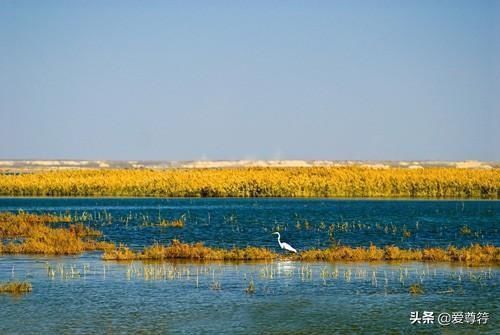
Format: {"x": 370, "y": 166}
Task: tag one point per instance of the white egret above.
{"x": 284, "y": 245}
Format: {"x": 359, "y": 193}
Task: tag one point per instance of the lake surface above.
{"x": 83, "y": 294}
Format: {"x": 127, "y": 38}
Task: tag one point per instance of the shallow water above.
{"x": 83, "y": 294}
{"x": 86, "y": 295}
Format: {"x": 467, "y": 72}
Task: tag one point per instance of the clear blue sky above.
{"x": 250, "y": 79}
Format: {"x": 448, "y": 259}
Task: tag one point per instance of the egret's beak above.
{"x": 274, "y": 233}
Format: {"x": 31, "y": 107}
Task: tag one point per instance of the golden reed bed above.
{"x": 24, "y": 233}
{"x": 437, "y": 182}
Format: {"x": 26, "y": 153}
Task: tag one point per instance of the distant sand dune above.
{"x": 27, "y": 165}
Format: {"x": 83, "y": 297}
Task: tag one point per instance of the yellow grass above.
{"x": 177, "y": 223}
{"x": 197, "y": 251}
{"x": 24, "y": 224}
{"x": 416, "y": 289}
{"x": 15, "y": 287}
{"x": 121, "y": 253}
{"x": 259, "y": 182}
{"x": 35, "y": 236}
{"x": 474, "y": 255}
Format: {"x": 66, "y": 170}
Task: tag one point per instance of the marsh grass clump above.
{"x": 416, "y": 289}
{"x": 473, "y": 255}
{"x": 81, "y": 230}
{"x": 176, "y": 223}
{"x": 250, "y": 288}
{"x": 24, "y": 224}
{"x": 465, "y": 230}
{"x": 16, "y": 287}
{"x": 216, "y": 286}
{"x": 121, "y": 253}
{"x": 196, "y": 251}
{"x": 393, "y": 253}
{"x": 33, "y": 234}
{"x": 345, "y": 253}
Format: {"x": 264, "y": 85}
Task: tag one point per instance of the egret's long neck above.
{"x": 279, "y": 238}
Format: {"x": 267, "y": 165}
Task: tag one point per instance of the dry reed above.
{"x": 31, "y": 234}
{"x": 15, "y": 287}
{"x": 439, "y": 182}
{"x": 473, "y": 255}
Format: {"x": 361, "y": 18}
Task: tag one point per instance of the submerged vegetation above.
{"x": 465, "y": 230}
{"x": 259, "y": 182}
{"x": 15, "y": 287}
{"x": 23, "y": 233}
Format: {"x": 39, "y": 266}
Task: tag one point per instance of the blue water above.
{"x": 305, "y": 223}
{"x": 83, "y": 294}
{"x": 87, "y": 295}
